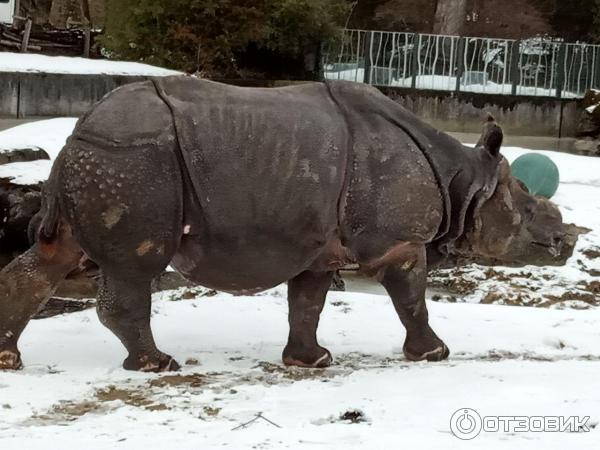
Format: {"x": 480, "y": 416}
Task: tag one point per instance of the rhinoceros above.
{"x": 241, "y": 189}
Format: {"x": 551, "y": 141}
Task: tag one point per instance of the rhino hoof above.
{"x": 145, "y": 363}
{"x": 320, "y": 362}
{"x": 10, "y": 360}
{"x": 437, "y": 354}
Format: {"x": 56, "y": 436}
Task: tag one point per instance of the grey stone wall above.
{"x": 25, "y": 95}
{"x": 40, "y": 95}
{"x": 518, "y": 115}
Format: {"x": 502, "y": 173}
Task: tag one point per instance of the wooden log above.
{"x": 6, "y": 43}
{"x": 86, "y": 43}
{"x": 17, "y": 11}
{"x": 26, "y": 35}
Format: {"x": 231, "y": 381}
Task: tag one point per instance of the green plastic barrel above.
{"x": 538, "y": 173}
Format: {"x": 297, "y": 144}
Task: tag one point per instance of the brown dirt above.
{"x": 592, "y": 252}
{"x": 453, "y": 283}
{"x": 139, "y": 397}
{"x": 192, "y": 380}
{"x": 295, "y": 373}
{"x": 211, "y": 411}
{"x": 132, "y": 397}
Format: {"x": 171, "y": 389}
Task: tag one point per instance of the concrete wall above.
{"x": 39, "y": 94}
{"x": 32, "y": 95}
{"x": 518, "y": 115}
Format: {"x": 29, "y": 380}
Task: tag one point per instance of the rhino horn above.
{"x": 491, "y": 137}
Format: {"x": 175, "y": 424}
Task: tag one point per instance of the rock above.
{"x": 587, "y": 125}
{"x": 22, "y": 155}
{"x": 168, "y": 281}
{"x": 79, "y": 287}
{"x": 337, "y": 283}
{"x": 589, "y": 121}
{"x": 587, "y": 146}
{"x": 56, "y": 306}
{"x": 591, "y": 98}
{"x": 18, "y": 205}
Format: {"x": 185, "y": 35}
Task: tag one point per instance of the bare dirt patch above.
{"x": 194, "y": 380}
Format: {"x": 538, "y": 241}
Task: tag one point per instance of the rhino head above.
{"x": 513, "y": 227}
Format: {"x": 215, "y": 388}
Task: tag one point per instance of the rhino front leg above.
{"x": 124, "y": 307}
{"x": 27, "y": 283}
{"x": 405, "y": 281}
{"x": 306, "y": 297}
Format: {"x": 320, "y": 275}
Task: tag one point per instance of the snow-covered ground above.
{"x": 511, "y": 361}
{"x": 19, "y": 62}
{"x": 50, "y": 135}
{"x": 442, "y": 82}
{"x": 505, "y": 361}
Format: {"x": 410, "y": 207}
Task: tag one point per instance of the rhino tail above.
{"x": 47, "y": 230}
{"x": 46, "y": 224}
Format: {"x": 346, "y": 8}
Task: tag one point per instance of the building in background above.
{"x": 7, "y": 10}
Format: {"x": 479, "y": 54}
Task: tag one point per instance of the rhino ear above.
{"x": 492, "y": 136}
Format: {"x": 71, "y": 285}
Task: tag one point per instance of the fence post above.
{"x": 414, "y": 60}
{"x": 460, "y": 60}
{"x": 560, "y": 73}
{"x": 368, "y": 57}
{"x": 515, "y": 57}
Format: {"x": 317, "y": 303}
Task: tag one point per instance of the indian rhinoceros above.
{"x": 241, "y": 189}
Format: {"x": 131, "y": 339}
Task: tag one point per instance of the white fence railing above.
{"x": 535, "y": 66}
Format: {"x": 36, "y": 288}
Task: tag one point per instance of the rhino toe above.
{"x": 322, "y": 360}
{"x": 145, "y": 363}
{"x": 439, "y": 353}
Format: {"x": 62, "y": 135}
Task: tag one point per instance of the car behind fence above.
{"x": 536, "y": 66}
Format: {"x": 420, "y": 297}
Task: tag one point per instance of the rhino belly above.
{"x": 267, "y": 168}
{"x": 238, "y": 267}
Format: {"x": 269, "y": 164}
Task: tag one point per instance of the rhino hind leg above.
{"x": 306, "y": 298}
{"x": 403, "y": 273}
{"x": 124, "y": 308}
{"x": 27, "y": 283}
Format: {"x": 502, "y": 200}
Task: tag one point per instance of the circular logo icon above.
{"x": 465, "y": 424}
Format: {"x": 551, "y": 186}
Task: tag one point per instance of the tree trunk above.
{"x": 450, "y": 17}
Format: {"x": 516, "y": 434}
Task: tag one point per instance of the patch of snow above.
{"x": 26, "y": 62}
{"x": 441, "y": 83}
{"x": 49, "y": 135}
{"x": 591, "y": 109}
{"x": 506, "y": 361}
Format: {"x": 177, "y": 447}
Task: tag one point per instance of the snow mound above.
{"x": 19, "y": 62}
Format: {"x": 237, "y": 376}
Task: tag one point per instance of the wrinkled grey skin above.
{"x": 241, "y": 189}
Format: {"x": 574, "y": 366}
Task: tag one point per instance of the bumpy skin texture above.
{"x": 242, "y": 189}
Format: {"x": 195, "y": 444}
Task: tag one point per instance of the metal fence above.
{"x": 536, "y": 66}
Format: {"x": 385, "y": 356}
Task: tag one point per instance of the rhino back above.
{"x": 266, "y": 164}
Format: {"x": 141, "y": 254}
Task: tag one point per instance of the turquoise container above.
{"x": 538, "y": 173}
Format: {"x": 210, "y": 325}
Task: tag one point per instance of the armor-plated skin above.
{"x": 242, "y": 189}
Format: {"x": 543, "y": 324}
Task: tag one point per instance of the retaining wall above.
{"x": 25, "y": 95}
